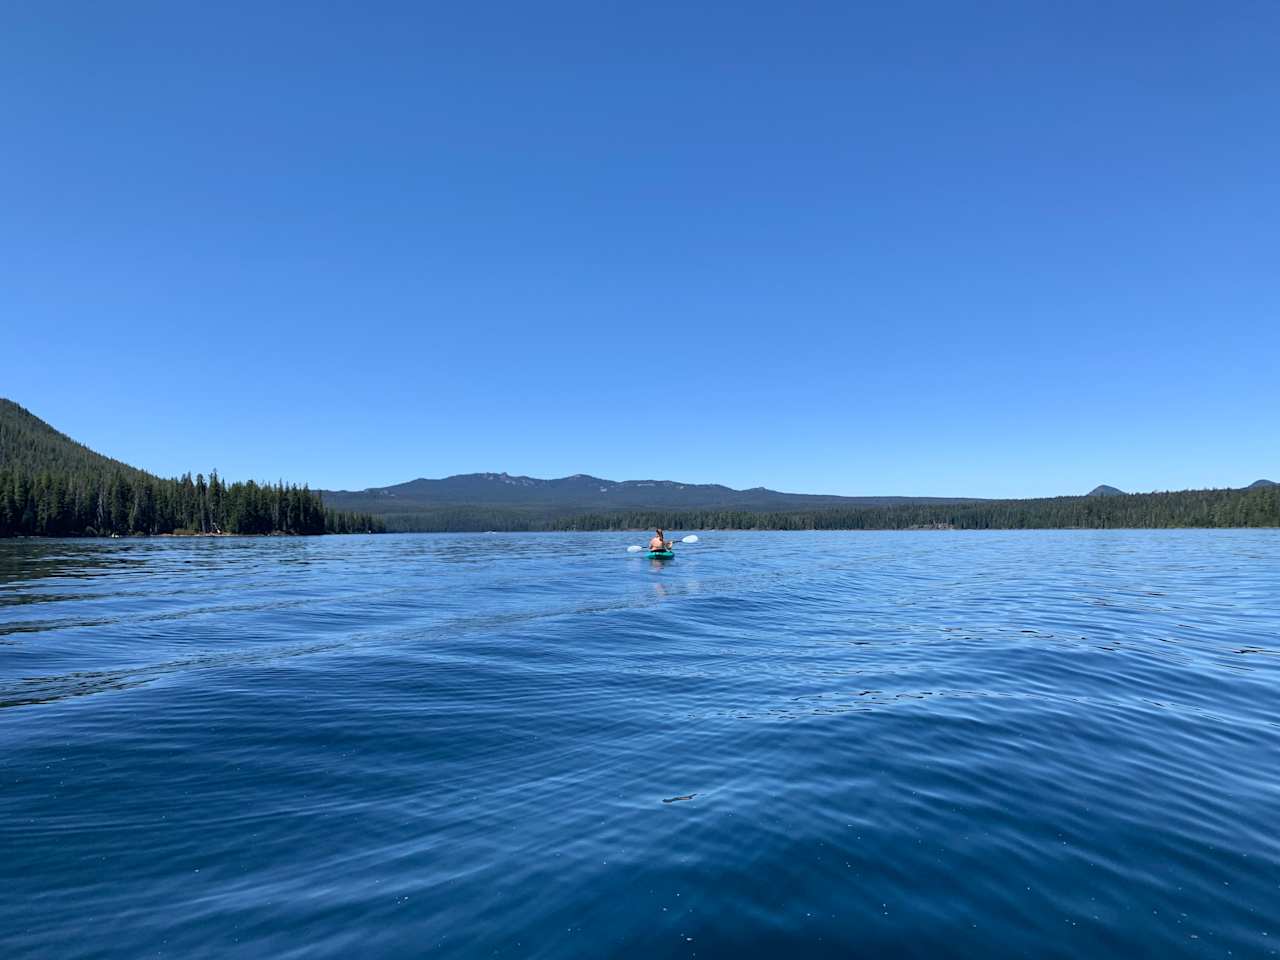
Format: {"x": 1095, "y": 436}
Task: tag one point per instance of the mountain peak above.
{"x": 1103, "y": 490}
{"x": 1263, "y": 483}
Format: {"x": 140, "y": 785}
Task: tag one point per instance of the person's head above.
{"x": 661, "y": 534}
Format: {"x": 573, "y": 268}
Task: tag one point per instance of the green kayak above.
{"x": 661, "y": 554}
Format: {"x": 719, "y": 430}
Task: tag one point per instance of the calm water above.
{"x": 918, "y": 745}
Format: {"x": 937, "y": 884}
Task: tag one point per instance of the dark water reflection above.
{"x": 921, "y": 745}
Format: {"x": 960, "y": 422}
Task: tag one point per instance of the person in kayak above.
{"x": 659, "y": 543}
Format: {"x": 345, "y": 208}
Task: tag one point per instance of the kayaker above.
{"x": 658, "y": 543}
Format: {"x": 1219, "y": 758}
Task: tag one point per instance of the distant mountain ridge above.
{"x": 584, "y": 493}
{"x": 503, "y": 501}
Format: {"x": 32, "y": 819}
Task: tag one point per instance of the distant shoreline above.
{"x": 632, "y": 530}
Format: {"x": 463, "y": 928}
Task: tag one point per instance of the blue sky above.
{"x": 1000, "y": 249}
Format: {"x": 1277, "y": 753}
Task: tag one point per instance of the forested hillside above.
{"x": 571, "y": 496}
{"x": 52, "y": 486}
{"x": 1250, "y": 507}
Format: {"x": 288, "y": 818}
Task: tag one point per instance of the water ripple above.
{"x": 904, "y": 744}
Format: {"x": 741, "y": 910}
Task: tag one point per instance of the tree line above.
{"x": 130, "y": 502}
{"x": 1249, "y": 507}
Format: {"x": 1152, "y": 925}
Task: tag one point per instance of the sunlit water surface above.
{"x": 1061, "y": 744}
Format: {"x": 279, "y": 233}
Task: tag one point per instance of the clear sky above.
{"x": 989, "y": 249}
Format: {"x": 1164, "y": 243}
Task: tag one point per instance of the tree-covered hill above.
{"x": 581, "y": 493}
{"x": 29, "y": 445}
{"x": 1105, "y": 490}
{"x": 50, "y": 485}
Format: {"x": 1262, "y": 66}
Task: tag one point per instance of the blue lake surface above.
{"x": 1001, "y": 744}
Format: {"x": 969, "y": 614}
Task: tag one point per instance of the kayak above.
{"x": 661, "y": 554}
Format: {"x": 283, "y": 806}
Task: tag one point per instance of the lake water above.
{"x": 1022, "y": 744}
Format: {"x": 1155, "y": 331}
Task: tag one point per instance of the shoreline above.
{"x": 621, "y": 530}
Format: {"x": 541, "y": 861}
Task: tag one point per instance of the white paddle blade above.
{"x": 691, "y": 538}
{"x": 634, "y": 549}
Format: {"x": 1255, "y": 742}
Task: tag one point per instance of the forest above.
{"x": 51, "y": 486}
{"x": 61, "y": 505}
{"x": 1247, "y": 507}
